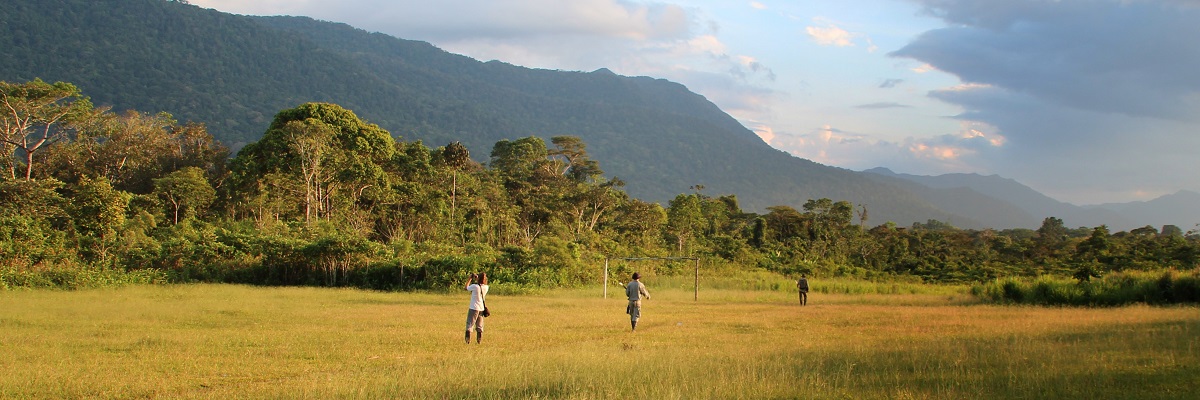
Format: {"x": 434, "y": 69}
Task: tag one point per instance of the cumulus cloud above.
{"x": 746, "y": 102}
{"x": 457, "y": 19}
{"x": 830, "y": 36}
{"x": 578, "y": 35}
{"x": 1078, "y": 155}
{"x": 1045, "y": 83}
{"x": 1132, "y": 57}
{"x": 657, "y": 39}
{"x": 1095, "y": 99}
{"x": 967, "y": 150}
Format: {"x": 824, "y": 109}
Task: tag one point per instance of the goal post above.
{"x": 696, "y": 275}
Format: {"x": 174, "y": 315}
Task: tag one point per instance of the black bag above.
{"x": 485, "y": 313}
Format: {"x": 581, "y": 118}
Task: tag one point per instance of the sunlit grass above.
{"x": 219, "y": 341}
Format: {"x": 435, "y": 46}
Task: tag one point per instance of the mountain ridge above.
{"x": 1172, "y": 209}
{"x": 234, "y": 72}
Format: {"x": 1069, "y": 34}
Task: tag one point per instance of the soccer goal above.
{"x": 695, "y": 284}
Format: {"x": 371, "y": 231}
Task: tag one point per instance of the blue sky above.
{"x": 1087, "y": 101}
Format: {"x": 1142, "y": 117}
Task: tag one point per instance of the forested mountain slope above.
{"x": 234, "y": 72}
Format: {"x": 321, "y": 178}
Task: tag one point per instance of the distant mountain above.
{"x": 234, "y": 72}
{"x": 1008, "y": 203}
{"x": 1181, "y": 209}
{"x": 985, "y": 211}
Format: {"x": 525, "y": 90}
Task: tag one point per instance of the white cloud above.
{"x": 924, "y": 68}
{"x": 1063, "y": 95}
{"x": 1088, "y": 98}
{"x": 827, "y": 33}
{"x": 830, "y": 36}
{"x": 461, "y": 19}
{"x": 1131, "y": 57}
{"x": 765, "y": 132}
{"x": 655, "y": 39}
{"x": 1075, "y": 155}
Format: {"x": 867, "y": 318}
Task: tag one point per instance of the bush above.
{"x": 30, "y": 243}
{"x": 77, "y": 278}
{"x": 387, "y": 275}
{"x": 444, "y": 273}
{"x": 1163, "y": 287}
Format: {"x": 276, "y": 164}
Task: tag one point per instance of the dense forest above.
{"x": 328, "y": 199}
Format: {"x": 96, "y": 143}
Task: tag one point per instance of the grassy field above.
{"x": 220, "y": 341}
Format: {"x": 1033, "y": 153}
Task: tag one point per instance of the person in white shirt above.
{"x": 636, "y": 291}
{"x": 478, "y": 286}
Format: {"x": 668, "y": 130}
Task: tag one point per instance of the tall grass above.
{"x": 221, "y": 341}
{"x": 1163, "y": 287}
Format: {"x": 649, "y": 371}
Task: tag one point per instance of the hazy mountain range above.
{"x": 233, "y": 73}
{"x": 1003, "y": 202}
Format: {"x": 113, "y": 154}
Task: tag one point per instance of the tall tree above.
{"x": 1051, "y": 236}
{"x": 575, "y": 162}
{"x": 310, "y": 141}
{"x": 345, "y": 156}
{"x": 532, "y": 181}
{"x": 456, "y": 156}
{"x": 186, "y": 190}
{"x": 98, "y": 211}
{"x": 1091, "y": 253}
{"x": 784, "y": 223}
{"x": 132, "y": 149}
{"x": 35, "y": 115}
{"x": 639, "y": 224}
{"x": 685, "y": 219}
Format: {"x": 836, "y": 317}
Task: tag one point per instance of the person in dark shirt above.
{"x": 802, "y": 285}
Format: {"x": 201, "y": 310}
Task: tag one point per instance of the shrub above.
{"x": 77, "y": 278}
{"x": 1163, "y": 287}
{"x": 444, "y": 273}
{"x": 30, "y": 243}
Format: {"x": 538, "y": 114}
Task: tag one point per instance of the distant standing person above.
{"x": 636, "y": 291}
{"x": 802, "y": 285}
{"x": 478, "y": 286}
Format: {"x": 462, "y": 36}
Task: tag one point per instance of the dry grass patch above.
{"x": 217, "y": 341}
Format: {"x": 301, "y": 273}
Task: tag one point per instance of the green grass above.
{"x": 223, "y": 341}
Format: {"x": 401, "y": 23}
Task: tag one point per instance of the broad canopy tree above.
{"x": 337, "y": 156}
{"x": 133, "y": 149}
{"x": 35, "y": 115}
{"x": 186, "y": 191}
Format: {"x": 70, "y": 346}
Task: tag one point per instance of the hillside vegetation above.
{"x": 233, "y": 73}
{"x": 326, "y": 198}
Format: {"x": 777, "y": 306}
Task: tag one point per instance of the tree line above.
{"x": 325, "y": 198}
